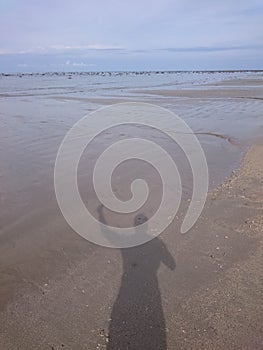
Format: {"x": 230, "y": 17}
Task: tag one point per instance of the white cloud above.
{"x": 84, "y": 47}
{"x": 79, "y": 64}
{"x": 61, "y": 48}
{"x": 4, "y": 52}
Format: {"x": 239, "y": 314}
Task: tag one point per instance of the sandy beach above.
{"x": 201, "y": 290}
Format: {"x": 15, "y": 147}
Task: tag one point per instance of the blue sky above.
{"x": 95, "y": 35}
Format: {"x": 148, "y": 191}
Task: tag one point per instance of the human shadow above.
{"x": 137, "y": 319}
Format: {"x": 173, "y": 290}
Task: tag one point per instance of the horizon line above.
{"x": 155, "y": 71}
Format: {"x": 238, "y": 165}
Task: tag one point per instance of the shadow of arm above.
{"x": 167, "y": 258}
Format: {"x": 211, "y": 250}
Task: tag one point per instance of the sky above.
{"x": 115, "y": 35}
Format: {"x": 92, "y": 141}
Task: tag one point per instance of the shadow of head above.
{"x": 140, "y": 219}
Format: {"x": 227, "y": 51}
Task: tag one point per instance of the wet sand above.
{"x": 61, "y": 292}
{"x": 230, "y": 89}
{"x": 202, "y": 290}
